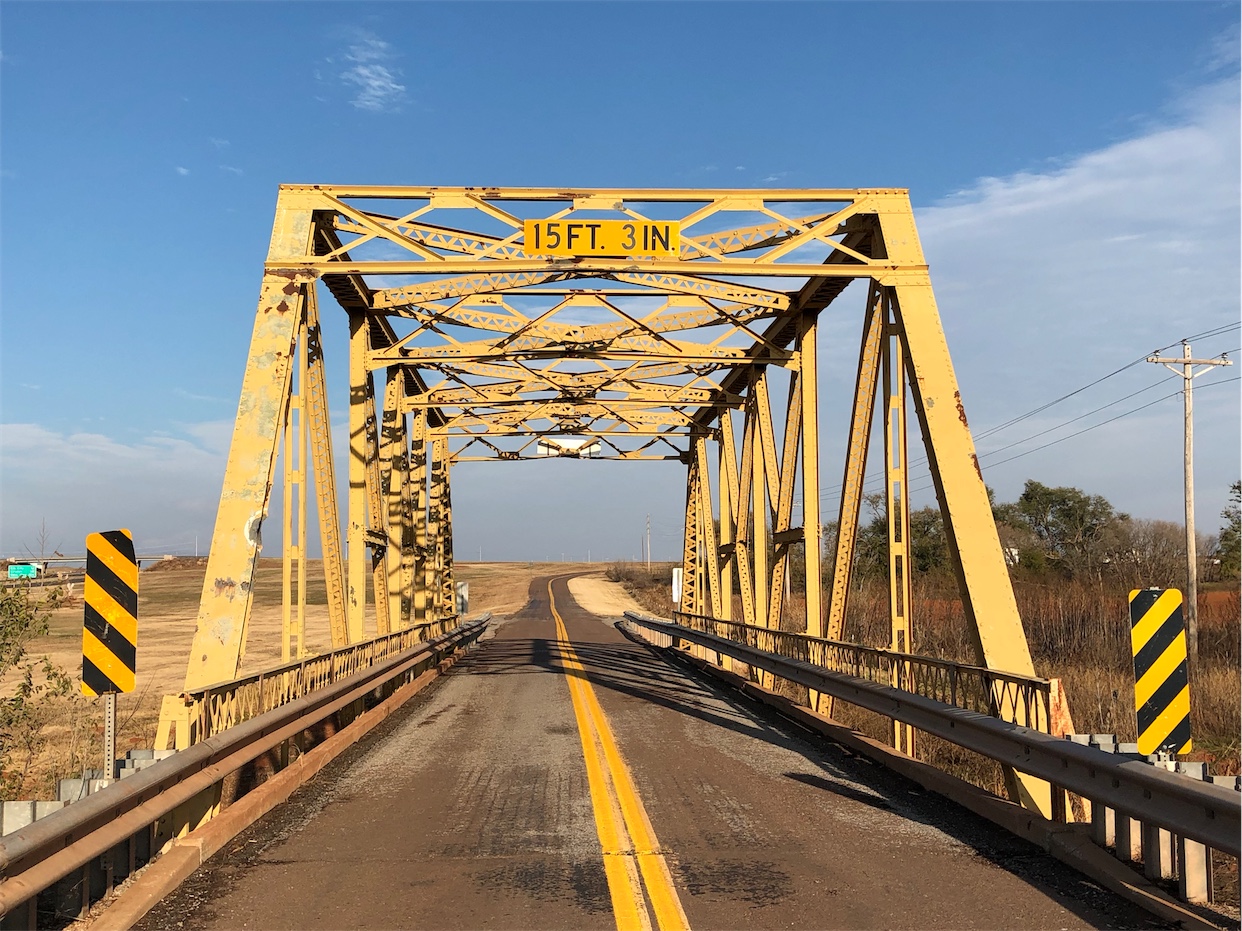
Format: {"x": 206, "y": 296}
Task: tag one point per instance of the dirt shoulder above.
{"x": 598, "y": 596}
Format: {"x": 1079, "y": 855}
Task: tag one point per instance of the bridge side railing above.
{"x": 1133, "y": 790}
{"x": 53, "y": 869}
{"x": 975, "y": 688}
{"x": 215, "y": 708}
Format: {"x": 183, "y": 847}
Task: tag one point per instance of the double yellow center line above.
{"x": 630, "y": 847}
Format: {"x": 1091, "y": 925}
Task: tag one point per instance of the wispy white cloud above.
{"x": 373, "y": 74}
{"x": 1225, "y": 52}
{"x": 218, "y": 143}
{"x": 1047, "y": 280}
{"x": 231, "y": 170}
{"x": 158, "y": 486}
{"x": 182, "y": 171}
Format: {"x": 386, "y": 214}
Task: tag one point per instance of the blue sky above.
{"x": 1075, "y": 168}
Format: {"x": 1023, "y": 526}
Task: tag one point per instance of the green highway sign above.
{"x": 23, "y": 571}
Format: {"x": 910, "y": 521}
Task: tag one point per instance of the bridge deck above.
{"x": 474, "y": 809}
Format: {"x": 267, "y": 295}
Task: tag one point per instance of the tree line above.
{"x": 1062, "y": 533}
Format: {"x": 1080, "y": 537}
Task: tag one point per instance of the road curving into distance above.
{"x": 563, "y": 777}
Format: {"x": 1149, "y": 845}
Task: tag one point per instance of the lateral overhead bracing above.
{"x": 518, "y": 323}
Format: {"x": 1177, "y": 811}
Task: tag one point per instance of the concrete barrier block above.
{"x": 72, "y": 789}
{"x": 43, "y": 809}
{"x": 16, "y": 815}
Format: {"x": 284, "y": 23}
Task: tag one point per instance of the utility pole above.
{"x": 649, "y": 544}
{"x": 1188, "y": 373}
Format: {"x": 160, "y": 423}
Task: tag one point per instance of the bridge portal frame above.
{"x": 479, "y": 374}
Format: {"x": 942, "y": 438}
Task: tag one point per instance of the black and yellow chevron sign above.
{"x": 110, "y": 632}
{"x": 1161, "y": 677}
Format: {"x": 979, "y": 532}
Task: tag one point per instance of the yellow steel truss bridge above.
{"x": 515, "y": 323}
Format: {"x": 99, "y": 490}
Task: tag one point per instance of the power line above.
{"x": 1070, "y": 436}
{"x": 875, "y": 477}
{"x": 1206, "y": 334}
{"x": 1102, "y": 423}
{"x": 993, "y": 452}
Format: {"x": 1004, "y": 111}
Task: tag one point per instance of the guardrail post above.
{"x": 1103, "y": 818}
{"x": 1103, "y": 825}
{"x": 1129, "y": 838}
{"x": 1194, "y": 872}
{"x": 1157, "y": 852}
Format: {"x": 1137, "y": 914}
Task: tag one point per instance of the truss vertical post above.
{"x": 393, "y": 482}
{"x": 447, "y": 578}
{"x": 377, "y": 530}
{"x": 407, "y": 529}
{"x": 418, "y": 507}
{"x": 983, "y": 578}
{"x": 724, "y": 558}
{"x": 224, "y": 608}
{"x": 809, "y": 381}
{"x": 897, "y": 508}
{"x": 432, "y": 573}
{"x": 740, "y": 499}
{"x": 440, "y": 561}
{"x": 726, "y": 474}
{"x": 287, "y": 544}
{"x": 690, "y": 603}
{"x": 325, "y": 474}
{"x": 360, "y": 388}
{"x": 761, "y": 443}
{"x": 302, "y": 442}
{"x": 293, "y": 511}
{"x": 781, "y": 529}
{"x": 709, "y": 548}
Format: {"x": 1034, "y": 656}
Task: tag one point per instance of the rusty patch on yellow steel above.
{"x": 961, "y": 411}
{"x": 225, "y": 588}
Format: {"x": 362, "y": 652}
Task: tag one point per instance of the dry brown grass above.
{"x": 1081, "y": 634}
{"x": 1078, "y": 633}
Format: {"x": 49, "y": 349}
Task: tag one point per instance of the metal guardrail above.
{"x": 963, "y": 685}
{"x": 1206, "y": 813}
{"x": 216, "y": 708}
{"x": 37, "y": 857}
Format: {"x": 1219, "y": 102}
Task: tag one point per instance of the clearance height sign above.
{"x": 604, "y": 238}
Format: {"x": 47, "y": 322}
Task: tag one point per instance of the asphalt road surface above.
{"x": 562, "y": 776}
